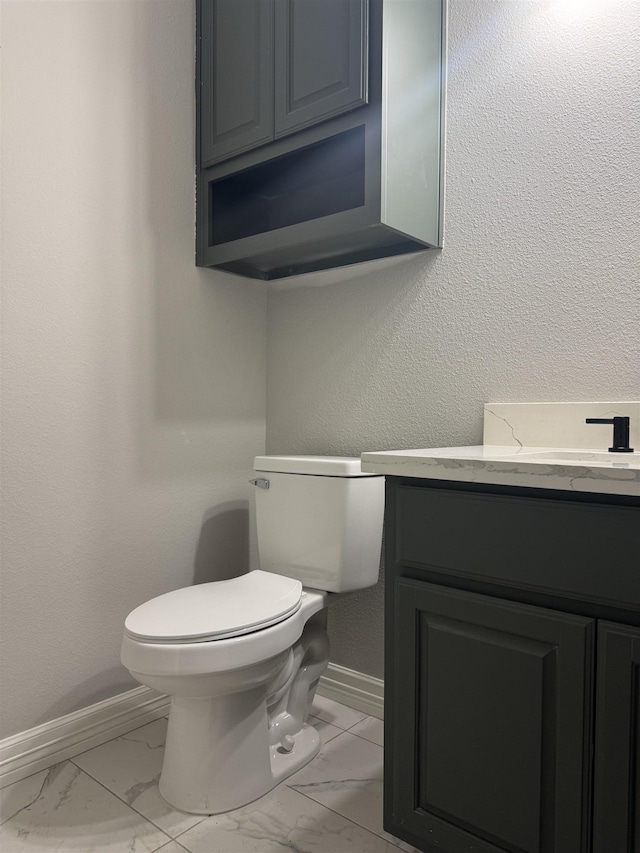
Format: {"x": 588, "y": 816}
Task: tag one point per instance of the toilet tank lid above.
{"x": 325, "y": 466}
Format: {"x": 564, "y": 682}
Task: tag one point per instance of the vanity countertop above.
{"x": 566, "y": 469}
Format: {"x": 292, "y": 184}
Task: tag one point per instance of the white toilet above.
{"x": 241, "y": 658}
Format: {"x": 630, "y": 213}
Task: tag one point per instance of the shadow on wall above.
{"x": 202, "y": 346}
{"x": 222, "y": 552}
{"x": 198, "y": 354}
{"x": 102, "y": 685}
{"x": 223, "y": 546}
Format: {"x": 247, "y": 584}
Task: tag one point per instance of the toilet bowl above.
{"x": 226, "y": 695}
{"x": 241, "y": 658}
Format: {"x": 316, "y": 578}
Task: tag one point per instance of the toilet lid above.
{"x": 215, "y": 611}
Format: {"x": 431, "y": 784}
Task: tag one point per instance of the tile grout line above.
{"x": 366, "y": 717}
{"x": 117, "y": 737}
{"x": 122, "y": 800}
{"x": 284, "y": 783}
{"x": 328, "y": 722}
{"x": 206, "y": 817}
{"x": 97, "y": 781}
{"x": 165, "y": 844}
{"x": 331, "y": 723}
{"x": 128, "y": 805}
{"x": 315, "y": 802}
{"x": 173, "y": 841}
{"x": 77, "y": 755}
{"x": 349, "y": 819}
{"x": 35, "y": 773}
{"x": 355, "y": 734}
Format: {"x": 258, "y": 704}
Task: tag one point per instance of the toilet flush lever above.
{"x": 260, "y": 482}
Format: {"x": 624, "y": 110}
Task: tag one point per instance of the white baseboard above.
{"x": 355, "y": 689}
{"x": 41, "y": 747}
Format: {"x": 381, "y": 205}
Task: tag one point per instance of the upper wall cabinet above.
{"x": 236, "y": 96}
{"x": 320, "y": 60}
{"x": 271, "y": 67}
{"x": 319, "y": 132}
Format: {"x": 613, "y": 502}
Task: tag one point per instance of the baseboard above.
{"x": 41, "y": 747}
{"x": 355, "y": 689}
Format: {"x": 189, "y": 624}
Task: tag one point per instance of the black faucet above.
{"x": 620, "y": 432}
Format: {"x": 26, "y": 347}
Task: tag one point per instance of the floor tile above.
{"x": 325, "y": 730}
{"x": 401, "y": 844}
{"x": 130, "y": 766}
{"x": 62, "y": 809}
{"x": 335, "y": 713}
{"x": 282, "y": 820}
{"x": 370, "y": 729}
{"x": 334, "y": 804}
{"x": 346, "y": 777}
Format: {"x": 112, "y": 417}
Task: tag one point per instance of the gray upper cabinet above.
{"x": 320, "y": 60}
{"x": 236, "y": 75}
{"x": 272, "y": 67}
{"x": 321, "y": 128}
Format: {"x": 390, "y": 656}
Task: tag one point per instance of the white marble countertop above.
{"x": 566, "y": 469}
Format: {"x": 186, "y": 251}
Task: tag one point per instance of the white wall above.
{"x": 536, "y": 295}
{"x": 133, "y": 383}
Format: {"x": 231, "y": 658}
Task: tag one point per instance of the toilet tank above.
{"x": 319, "y": 520}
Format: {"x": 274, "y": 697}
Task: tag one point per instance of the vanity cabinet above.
{"x": 512, "y": 671}
{"x": 319, "y": 130}
{"x": 616, "y": 817}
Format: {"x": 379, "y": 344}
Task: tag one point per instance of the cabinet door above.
{"x": 616, "y": 817}
{"x": 236, "y": 74}
{"x": 489, "y": 731}
{"x": 320, "y": 60}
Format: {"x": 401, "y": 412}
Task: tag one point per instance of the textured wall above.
{"x": 536, "y": 295}
{"x": 133, "y": 383}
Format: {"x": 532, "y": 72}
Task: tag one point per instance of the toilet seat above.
{"x": 224, "y": 655}
{"x": 216, "y": 611}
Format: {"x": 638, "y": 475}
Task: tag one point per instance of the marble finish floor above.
{"x": 107, "y": 799}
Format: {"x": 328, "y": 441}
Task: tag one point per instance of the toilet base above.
{"x": 241, "y": 768}
{"x": 285, "y": 764}
{"x": 227, "y": 750}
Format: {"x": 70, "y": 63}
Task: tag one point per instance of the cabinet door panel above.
{"x": 320, "y": 60}
{"x": 490, "y": 723}
{"x": 236, "y": 77}
{"x": 616, "y": 819}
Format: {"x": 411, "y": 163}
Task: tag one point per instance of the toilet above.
{"x": 241, "y": 658}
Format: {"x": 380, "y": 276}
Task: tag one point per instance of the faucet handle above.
{"x": 620, "y": 432}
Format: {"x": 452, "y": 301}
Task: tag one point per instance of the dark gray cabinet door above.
{"x": 488, "y": 736}
{"x": 320, "y": 60}
{"x": 616, "y": 817}
{"x": 236, "y": 73}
